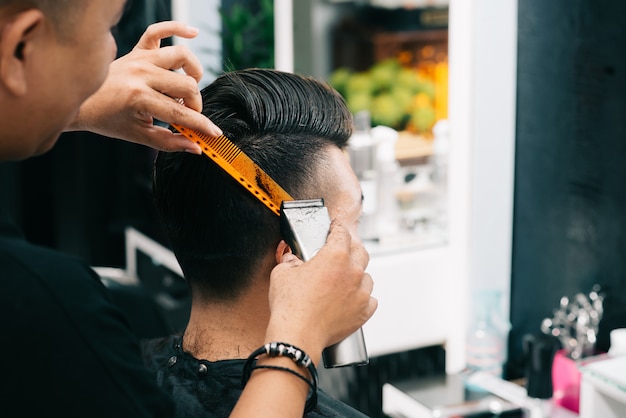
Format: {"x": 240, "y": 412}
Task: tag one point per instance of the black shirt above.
{"x": 66, "y": 349}
{"x": 204, "y": 388}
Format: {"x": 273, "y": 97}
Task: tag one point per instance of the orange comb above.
{"x": 240, "y": 167}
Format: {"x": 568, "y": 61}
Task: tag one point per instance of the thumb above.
{"x": 291, "y": 259}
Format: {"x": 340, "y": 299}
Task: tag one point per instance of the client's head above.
{"x": 295, "y": 128}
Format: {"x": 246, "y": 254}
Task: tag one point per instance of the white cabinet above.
{"x": 412, "y": 291}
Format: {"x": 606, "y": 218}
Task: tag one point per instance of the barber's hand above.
{"x": 321, "y": 302}
{"x": 141, "y": 87}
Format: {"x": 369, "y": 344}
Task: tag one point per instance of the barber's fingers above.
{"x": 163, "y": 139}
{"x": 373, "y": 305}
{"x": 176, "y": 87}
{"x": 290, "y": 259}
{"x": 155, "y": 33}
{"x": 367, "y": 283}
{"x": 173, "y": 57}
{"x": 367, "y": 286}
{"x": 169, "y": 89}
{"x": 340, "y": 241}
{"x": 178, "y": 57}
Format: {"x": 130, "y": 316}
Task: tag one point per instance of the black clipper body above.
{"x": 304, "y": 225}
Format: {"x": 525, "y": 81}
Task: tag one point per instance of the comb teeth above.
{"x": 222, "y": 146}
{"x": 239, "y": 166}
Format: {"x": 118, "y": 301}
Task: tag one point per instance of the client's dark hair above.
{"x": 217, "y": 229}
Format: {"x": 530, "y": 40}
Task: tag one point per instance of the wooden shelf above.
{"x": 412, "y": 149}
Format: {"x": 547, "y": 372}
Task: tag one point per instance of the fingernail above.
{"x": 217, "y": 130}
{"x": 193, "y": 29}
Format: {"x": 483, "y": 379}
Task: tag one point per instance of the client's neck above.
{"x": 228, "y": 330}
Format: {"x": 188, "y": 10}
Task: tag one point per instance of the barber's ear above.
{"x": 282, "y": 249}
{"x": 17, "y": 33}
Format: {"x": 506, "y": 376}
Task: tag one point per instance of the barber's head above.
{"x": 295, "y": 128}
{"x": 53, "y": 55}
{"x": 62, "y": 14}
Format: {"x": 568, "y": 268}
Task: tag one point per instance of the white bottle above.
{"x": 362, "y": 153}
{"x": 487, "y": 335}
{"x": 618, "y": 342}
{"x": 439, "y": 162}
{"x": 387, "y": 172}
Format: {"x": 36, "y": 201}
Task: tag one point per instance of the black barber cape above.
{"x": 66, "y": 350}
{"x": 208, "y": 389}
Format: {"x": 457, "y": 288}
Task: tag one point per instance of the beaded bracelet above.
{"x": 276, "y": 349}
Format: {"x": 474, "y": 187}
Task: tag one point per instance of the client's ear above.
{"x": 282, "y": 249}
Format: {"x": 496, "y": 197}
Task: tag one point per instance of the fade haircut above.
{"x": 217, "y": 229}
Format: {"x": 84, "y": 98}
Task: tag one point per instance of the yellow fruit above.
{"x": 359, "y": 82}
{"x": 339, "y": 79}
{"x": 426, "y": 86}
{"x": 358, "y": 101}
{"x": 422, "y": 119}
{"x": 386, "y": 111}
{"x": 384, "y": 74}
{"x": 421, "y": 100}
{"x": 403, "y": 97}
{"x": 407, "y": 79}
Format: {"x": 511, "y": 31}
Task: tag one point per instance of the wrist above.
{"x": 294, "y": 361}
{"x": 300, "y": 338}
{"x": 81, "y": 119}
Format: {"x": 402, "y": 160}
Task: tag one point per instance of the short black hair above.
{"x": 217, "y": 229}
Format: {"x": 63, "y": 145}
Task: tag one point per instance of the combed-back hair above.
{"x": 217, "y": 229}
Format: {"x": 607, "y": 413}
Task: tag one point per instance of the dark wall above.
{"x": 570, "y": 177}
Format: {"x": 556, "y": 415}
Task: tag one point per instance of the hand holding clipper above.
{"x": 304, "y": 225}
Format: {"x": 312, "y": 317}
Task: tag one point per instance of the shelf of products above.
{"x": 394, "y": 63}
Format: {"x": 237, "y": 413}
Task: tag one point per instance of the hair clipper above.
{"x": 304, "y": 225}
